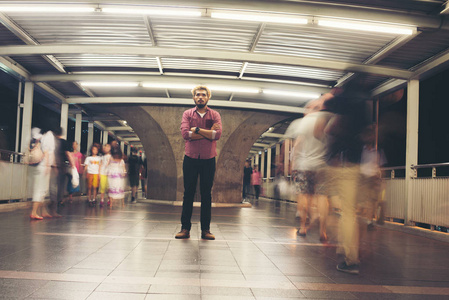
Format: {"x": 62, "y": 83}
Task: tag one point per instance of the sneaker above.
{"x": 133, "y": 200}
{"x": 206, "y": 235}
{"x": 101, "y": 203}
{"x": 183, "y": 234}
{"x": 352, "y": 269}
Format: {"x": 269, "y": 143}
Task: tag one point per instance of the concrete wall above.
{"x": 158, "y": 127}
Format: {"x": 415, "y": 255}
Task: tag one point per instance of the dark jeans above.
{"x": 257, "y": 191}
{"x": 191, "y": 168}
{"x": 246, "y": 189}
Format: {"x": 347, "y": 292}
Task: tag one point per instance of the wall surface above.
{"x": 158, "y": 128}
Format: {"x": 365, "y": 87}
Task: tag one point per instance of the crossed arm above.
{"x": 204, "y": 133}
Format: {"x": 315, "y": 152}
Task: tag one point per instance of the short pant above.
{"x": 92, "y": 181}
{"x": 133, "y": 180}
{"x": 103, "y": 183}
{"x": 310, "y": 182}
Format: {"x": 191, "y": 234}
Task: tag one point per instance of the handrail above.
{"x": 393, "y": 168}
{"x": 430, "y": 165}
{"x": 11, "y": 152}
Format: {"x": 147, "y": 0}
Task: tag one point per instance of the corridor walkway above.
{"x": 131, "y": 253}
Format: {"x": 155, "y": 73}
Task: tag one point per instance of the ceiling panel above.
{"x": 322, "y": 43}
{"x": 84, "y": 28}
{"x": 204, "y": 33}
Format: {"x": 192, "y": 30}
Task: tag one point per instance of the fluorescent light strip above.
{"x": 214, "y": 88}
{"x": 47, "y": 9}
{"x": 292, "y": 94}
{"x": 259, "y": 17}
{"x": 362, "y": 26}
{"x": 153, "y": 11}
{"x": 109, "y": 84}
{"x": 160, "y": 85}
{"x": 231, "y": 89}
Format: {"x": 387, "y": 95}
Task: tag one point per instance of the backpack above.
{"x": 36, "y": 154}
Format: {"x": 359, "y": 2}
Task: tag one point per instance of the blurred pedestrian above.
{"x": 247, "y": 170}
{"x": 133, "y": 173}
{"x": 344, "y": 166}
{"x": 92, "y": 169}
{"x": 105, "y": 159}
{"x": 143, "y": 176}
{"x": 256, "y": 181}
{"x": 116, "y": 177}
{"x": 42, "y": 177}
{"x": 309, "y": 165}
{"x": 77, "y": 159}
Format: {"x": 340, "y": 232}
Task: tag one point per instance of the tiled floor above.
{"x": 131, "y": 253}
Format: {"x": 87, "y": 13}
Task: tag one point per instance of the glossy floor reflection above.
{"x": 131, "y": 253}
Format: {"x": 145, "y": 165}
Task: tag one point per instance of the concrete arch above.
{"x": 246, "y": 127}
{"x": 158, "y": 128}
{"x": 161, "y": 162}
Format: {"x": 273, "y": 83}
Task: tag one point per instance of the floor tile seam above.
{"x": 173, "y": 239}
{"x": 385, "y": 289}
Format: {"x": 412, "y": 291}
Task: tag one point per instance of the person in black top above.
{"x": 247, "y": 170}
{"x": 133, "y": 173}
{"x": 59, "y": 170}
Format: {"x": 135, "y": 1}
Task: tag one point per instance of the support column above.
{"x": 262, "y": 164}
{"x": 269, "y": 163}
{"x": 411, "y": 154}
{"x": 286, "y": 157}
{"x": 78, "y": 126}
{"x": 122, "y": 146}
{"x": 105, "y": 137}
{"x": 27, "y": 116}
{"x": 64, "y": 119}
{"x": 128, "y": 150}
{"x": 19, "y": 114}
{"x": 256, "y": 162}
{"x": 90, "y": 136}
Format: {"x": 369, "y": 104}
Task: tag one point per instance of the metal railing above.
{"x": 14, "y": 177}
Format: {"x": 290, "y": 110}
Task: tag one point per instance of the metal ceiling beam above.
{"x": 313, "y": 8}
{"x": 186, "y": 102}
{"x": 131, "y": 139}
{"x": 379, "y": 55}
{"x": 261, "y": 145}
{"x": 432, "y": 66}
{"x": 119, "y": 128}
{"x": 206, "y": 54}
{"x": 273, "y": 135}
{"x": 28, "y": 39}
{"x": 178, "y": 79}
{"x": 388, "y": 87}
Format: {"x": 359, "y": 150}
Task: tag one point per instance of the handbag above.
{"x": 75, "y": 178}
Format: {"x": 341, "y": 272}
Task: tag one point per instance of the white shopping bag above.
{"x": 75, "y": 177}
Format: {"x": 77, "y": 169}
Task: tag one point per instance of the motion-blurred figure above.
{"x": 105, "y": 159}
{"x": 133, "y": 173}
{"x": 92, "y": 170}
{"x": 77, "y": 159}
{"x": 256, "y": 181}
{"x": 247, "y": 170}
{"x": 344, "y": 157}
{"x": 309, "y": 165}
{"x": 370, "y": 177}
{"x": 116, "y": 177}
{"x": 42, "y": 177}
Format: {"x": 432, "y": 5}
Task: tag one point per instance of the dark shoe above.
{"x": 183, "y": 234}
{"x": 352, "y": 269}
{"x": 206, "y": 235}
{"x": 301, "y": 232}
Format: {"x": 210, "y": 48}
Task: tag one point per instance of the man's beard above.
{"x": 200, "y": 105}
